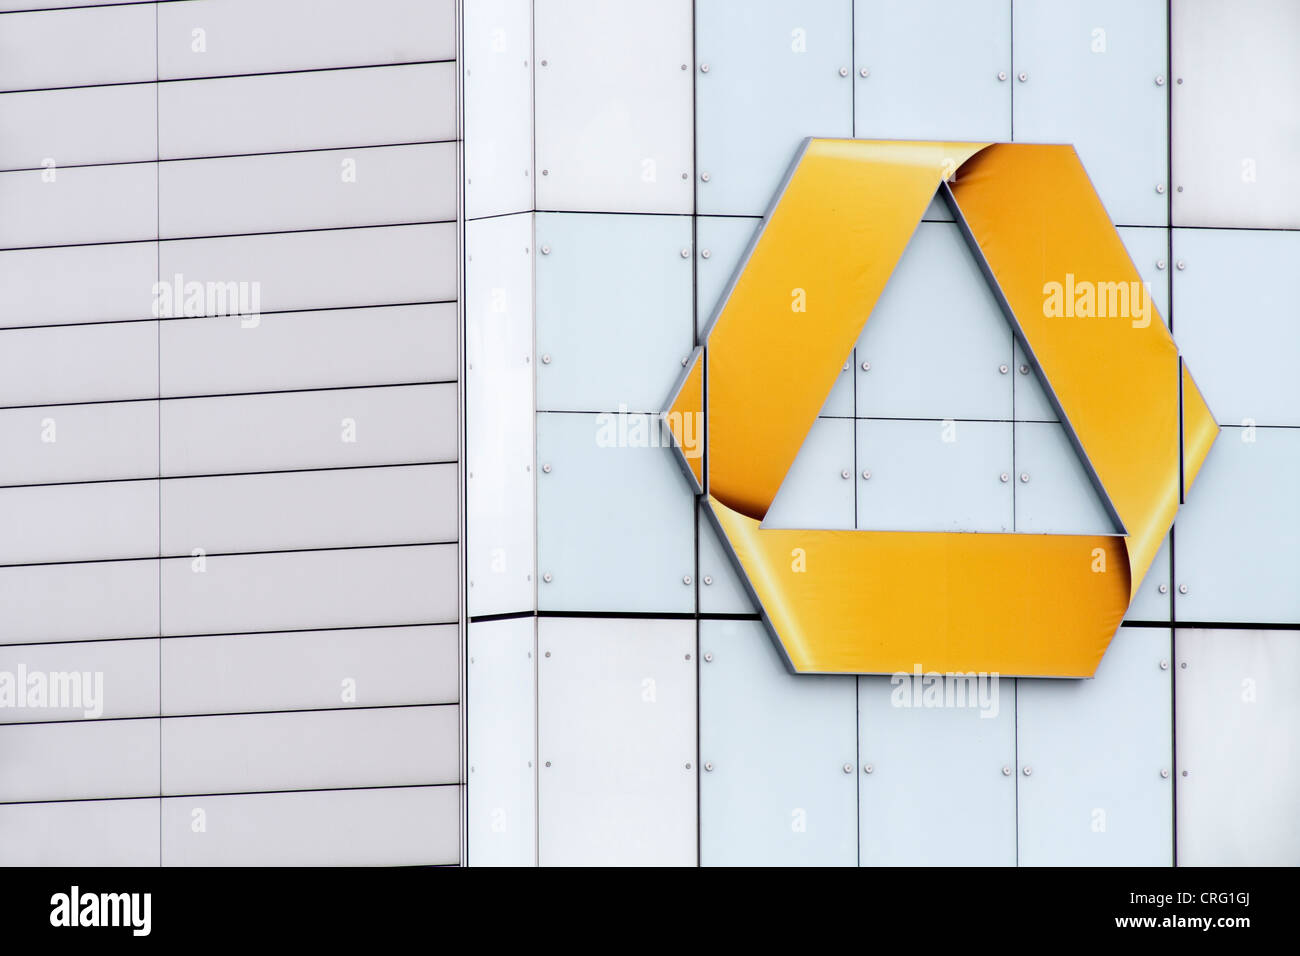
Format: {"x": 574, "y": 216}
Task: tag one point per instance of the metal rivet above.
{"x": 864, "y": 73}
{"x": 704, "y": 253}
{"x": 704, "y": 68}
{"x": 1184, "y": 772}
{"x": 686, "y": 253}
{"x": 1022, "y": 77}
{"x": 1180, "y": 81}
{"x": 1160, "y": 264}
{"x": 1182, "y": 589}
{"x": 868, "y": 768}
{"x": 1180, "y": 188}
{"x": 1004, "y": 477}
{"x": 866, "y": 475}
{"x": 1183, "y": 665}
{"x": 708, "y": 658}
{"x": 546, "y": 468}
{"x": 844, "y": 71}
{"x": 686, "y": 175}
{"x": 1180, "y": 265}
{"x": 1003, "y": 369}
{"x": 1164, "y": 665}
{"x": 1160, "y": 188}
{"x": 844, "y": 474}
{"x": 688, "y": 657}
{"x": 685, "y": 67}
{"x": 866, "y": 366}
{"x": 547, "y": 578}
{"x": 546, "y": 172}
{"x": 1163, "y": 589}
{"x": 705, "y": 177}
{"x": 686, "y": 579}
{"x": 1024, "y": 370}
{"x": 1024, "y": 477}
{"x": 1160, "y": 81}
{"x": 548, "y": 763}
{"x": 546, "y": 250}
{"x": 546, "y": 359}
{"x": 1006, "y": 771}
{"x": 1164, "y": 774}
{"x": 1002, "y": 76}
{"x": 688, "y": 766}
{"x": 708, "y": 579}
{"x": 548, "y": 653}
{"x": 685, "y": 359}
{"x": 708, "y": 767}
{"x": 1029, "y": 771}
{"x": 543, "y": 64}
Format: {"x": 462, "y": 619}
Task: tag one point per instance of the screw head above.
{"x": 1160, "y": 81}
{"x": 545, "y": 250}
{"x": 547, "y": 578}
{"x": 707, "y": 579}
{"x": 844, "y": 474}
{"x": 548, "y": 653}
{"x": 844, "y": 71}
{"x": 705, "y": 177}
{"x": 1184, "y": 772}
{"x": 686, "y": 253}
{"x": 704, "y": 68}
{"x": 1164, "y": 774}
{"x": 1160, "y": 264}
{"x": 705, "y": 253}
{"x": 1002, "y": 76}
{"x": 685, "y": 359}
{"x": 1024, "y": 370}
{"x": 708, "y": 658}
{"x": 1183, "y": 665}
{"x": 866, "y": 474}
{"x": 1029, "y": 771}
{"x": 1003, "y": 369}
{"x": 866, "y": 366}
{"x": 686, "y": 175}
{"x": 1163, "y": 589}
{"x": 864, "y": 73}
{"x": 1024, "y": 477}
{"x": 546, "y": 359}
{"x": 708, "y": 768}
{"x": 546, "y": 172}
{"x": 868, "y": 768}
{"x": 1182, "y": 589}
{"x": 1164, "y": 665}
{"x": 546, "y": 468}
{"x": 1160, "y": 188}
{"x": 1180, "y": 265}
{"x": 1004, "y": 477}
{"x": 543, "y": 64}
{"x": 548, "y": 763}
{"x": 686, "y": 579}
{"x": 1022, "y": 77}
{"x": 848, "y": 768}
{"x": 1006, "y": 771}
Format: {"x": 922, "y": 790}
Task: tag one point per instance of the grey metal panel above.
{"x": 502, "y": 743}
{"x": 79, "y": 760}
{"x": 1238, "y": 82}
{"x": 43, "y": 523}
{"x": 1054, "y": 494}
{"x": 96, "y": 679}
{"x": 311, "y": 750}
{"x": 313, "y": 270}
{"x": 253, "y": 36}
{"x": 109, "y": 441}
{"x": 817, "y": 492}
{"x": 80, "y": 833}
{"x": 72, "y": 602}
{"x": 936, "y": 794}
{"x": 309, "y": 190}
{"x": 497, "y": 87}
{"x": 1238, "y": 719}
{"x": 403, "y": 826}
{"x": 114, "y": 282}
{"x": 330, "y": 109}
{"x": 616, "y": 738}
{"x": 307, "y": 670}
{"x": 83, "y": 47}
{"x": 774, "y": 747}
{"x": 353, "y": 507}
{"x": 93, "y": 363}
{"x": 307, "y": 589}
{"x": 1099, "y": 786}
{"x": 83, "y": 204}
{"x": 98, "y": 124}
{"x": 297, "y": 350}
{"x": 308, "y": 429}
{"x": 613, "y": 311}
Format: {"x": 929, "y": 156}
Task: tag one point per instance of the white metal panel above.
{"x": 331, "y": 108}
{"x": 1237, "y": 77}
{"x": 109, "y": 441}
{"x": 353, "y": 507}
{"x": 318, "y": 429}
{"x": 1237, "y": 539}
{"x": 599, "y": 490}
{"x": 1238, "y": 720}
{"x": 44, "y": 523}
{"x": 82, "y": 204}
{"x": 72, "y": 602}
{"x": 817, "y": 492}
{"x": 934, "y": 69}
{"x": 92, "y": 363}
{"x": 613, "y": 311}
{"x": 1094, "y": 76}
{"x": 616, "y": 738}
{"x": 253, "y": 36}
{"x": 769, "y": 74}
{"x": 500, "y": 504}
{"x": 1148, "y": 247}
{"x": 80, "y": 833}
{"x": 502, "y": 743}
{"x": 1053, "y": 492}
{"x": 1152, "y": 603}
{"x": 114, "y": 282}
{"x": 93, "y": 679}
{"x": 294, "y": 350}
{"x": 934, "y": 475}
{"x": 1095, "y": 774}
{"x": 394, "y": 265}
{"x": 1238, "y": 325}
{"x": 613, "y": 105}
{"x": 936, "y": 759}
{"x": 307, "y": 670}
{"x": 103, "y": 124}
{"x": 497, "y": 87}
{"x": 85, "y": 759}
{"x": 720, "y": 243}
{"x": 400, "y": 826}
{"x": 310, "y": 589}
{"x": 1031, "y": 400}
{"x": 81, "y": 47}
{"x": 722, "y": 590}
{"x": 774, "y": 747}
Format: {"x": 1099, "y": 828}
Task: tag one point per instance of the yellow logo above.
{"x": 885, "y": 602}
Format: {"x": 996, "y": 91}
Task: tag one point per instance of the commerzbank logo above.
{"x": 891, "y": 602}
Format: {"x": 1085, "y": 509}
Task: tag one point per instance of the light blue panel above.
{"x": 839, "y": 403}
{"x": 1149, "y": 250}
{"x": 1151, "y": 603}
{"x": 1032, "y": 403}
{"x": 1237, "y": 538}
{"x": 613, "y": 310}
{"x": 615, "y": 519}
{"x": 938, "y": 211}
{"x": 935, "y": 69}
{"x": 779, "y": 785}
{"x": 941, "y": 789}
{"x": 1238, "y": 326}
{"x": 1054, "y": 494}
{"x": 1095, "y": 776}
{"x": 721, "y": 241}
{"x": 818, "y": 490}
{"x": 1092, "y": 73}
{"x": 721, "y": 589}
{"x": 768, "y": 74}
{"x": 936, "y": 342}
{"x": 934, "y": 476}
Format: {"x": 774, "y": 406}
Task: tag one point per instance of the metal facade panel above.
{"x": 502, "y": 739}
{"x": 116, "y": 282}
{"x": 1095, "y": 774}
{"x": 596, "y": 491}
{"x": 95, "y": 363}
{"x": 497, "y": 87}
{"x": 108, "y": 679}
{"x": 721, "y": 241}
{"x": 936, "y": 764}
{"x": 80, "y": 833}
{"x": 818, "y": 490}
{"x": 1031, "y": 401}
{"x": 1149, "y": 249}
{"x": 613, "y": 310}
{"x": 616, "y": 741}
{"x": 83, "y": 204}
{"x": 613, "y": 105}
{"x": 722, "y": 590}
{"x": 1152, "y": 603}
{"x": 1053, "y": 492}
{"x": 73, "y": 602}
{"x": 1237, "y": 721}
{"x": 958, "y": 89}
{"x": 774, "y": 748}
{"x": 768, "y": 74}
{"x": 79, "y": 760}
{"x": 111, "y": 45}
{"x": 309, "y": 670}
{"x": 402, "y": 826}
{"x": 98, "y": 520}
{"x": 1094, "y": 76}
{"x": 104, "y": 124}
{"x": 106, "y": 441}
